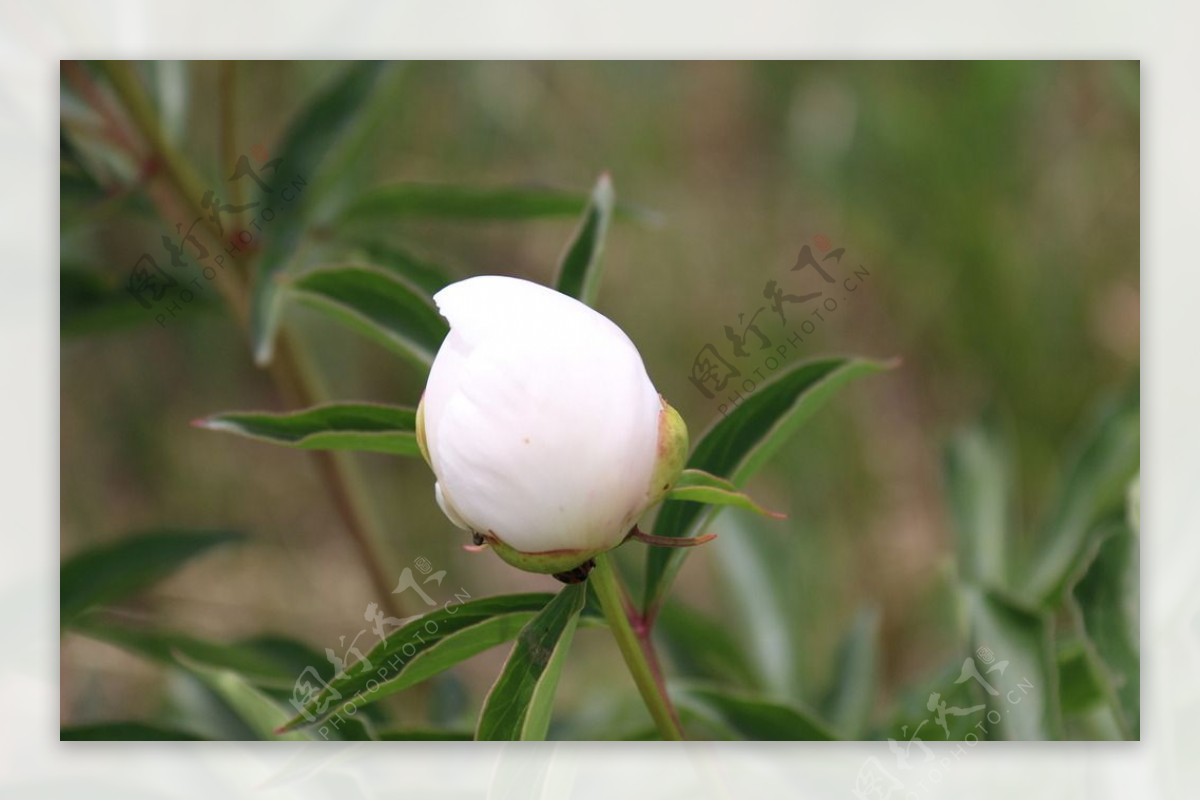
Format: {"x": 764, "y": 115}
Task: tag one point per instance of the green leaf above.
{"x": 91, "y": 303}
{"x": 421, "y": 273}
{"x": 422, "y": 648}
{"x": 851, "y": 698}
{"x": 311, "y": 135}
{"x": 270, "y": 663}
{"x": 1024, "y": 694}
{"x": 377, "y": 304}
{"x": 738, "y": 444}
{"x": 261, "y": 713}
{"x": 129, "y": 730}
{"x": 171, "y": 83}
{"x": 756, "y": 585}
{"x": 76, "y": 183}
{"x": 700, "y": 648}
{"x": 90, "y": 191}
{"x": 333, "y": 426}
{"x": 519, "y": 704}
{"x": 166, "y": 647}
{"x": 1080, "y": 686}
{"x": 1133, "y": 505}
{"x": 465, "y": 203}
{"x": 701, "y": 487}
{"x": 912, "y": 716}
{"x": 750, "y": 717}
{"x": 979, "y": 485}
{"x": 579, "y": 272}
{"x": 1097, "y": 722}
{"x": 1095, "y": 491}
{"x": 112, "y": 572}
{"x": 276, "y": 656}
{"x": 426, "y": 735}
{"x": 88, "y": 303}
{"x": 1107, "y": 598}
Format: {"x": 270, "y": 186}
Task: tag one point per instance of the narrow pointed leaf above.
{"x": 172, "y": 83}
{"x": 311, "y": 135}
{"x": 378, "y": 305}
{"x": 738, "y": 444}
{"x": 749, "y": 717}
{"x": 334, "y": 426}
{"x": 1024, "y": 692}
{"x": 423, "y": 274}
{"x": 1081, "y": 685}
{"x": 911, "y": 714}
{"x": 126, "y": 730}
{"x": 757, "y": 588}
{"x": 165, "y": 647}
{"x": 851, "y": 697}
{"x": 579, "y": 272}
{"x": 520, "y": 702}
{"x": 979, "y": 485}
{"x": 1107, "y": 598}
{"x": 77, "y": 185}
{"x": 115, "y": 571}
{"x": 422, "y": 648}
{"x": 699, "y": 647}
{"x": 426, "y": 735}
{"x": 261, "y": 713}
{"x": 1094, "y": 491}
{"x": 701, "y": 487}
{"x": 90, "y": 302}
{"x": 465, "y": 203}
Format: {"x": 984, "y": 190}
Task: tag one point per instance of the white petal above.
{"x": 447, "y": 509}
{"x": 540, "y": 418}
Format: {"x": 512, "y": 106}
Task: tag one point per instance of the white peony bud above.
{"x": 545, "y": 434}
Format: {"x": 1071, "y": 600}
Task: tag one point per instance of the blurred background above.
{"x": 994, "y": 207}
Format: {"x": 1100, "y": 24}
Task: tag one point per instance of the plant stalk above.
{"x": 289, "y": 371}
{"x": 635, "y": 646}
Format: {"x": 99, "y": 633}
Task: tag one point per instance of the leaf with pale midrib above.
{"x": 739, "y": 443}
{"x": 332, "y": 426}
{"x": 112, "y": 572}
{"x": 751, "y": 717}
{"x": 422, "y": 648}
{"x": 377, "y": 304}
{"x": 519, "y": 705}
{"x": 579, "y": 272}
{"x": 468, "y": 203}
{"x": 312, "y": 133}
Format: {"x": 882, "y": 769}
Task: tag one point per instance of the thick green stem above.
{"x": 635, "y": 648}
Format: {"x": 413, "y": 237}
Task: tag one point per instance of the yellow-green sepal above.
{"x": 548, "y": 562}
{"x": 672, "y": 451}
{"x": 419, "y": 425}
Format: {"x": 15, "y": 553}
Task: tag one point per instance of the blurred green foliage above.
{"x": 994, "y": 206}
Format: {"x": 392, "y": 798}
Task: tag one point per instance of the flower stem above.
{"x": 290, "y": 370}
{"x": 635, "y": 648}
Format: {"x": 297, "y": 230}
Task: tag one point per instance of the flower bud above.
{"x": 545, "y": 434}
